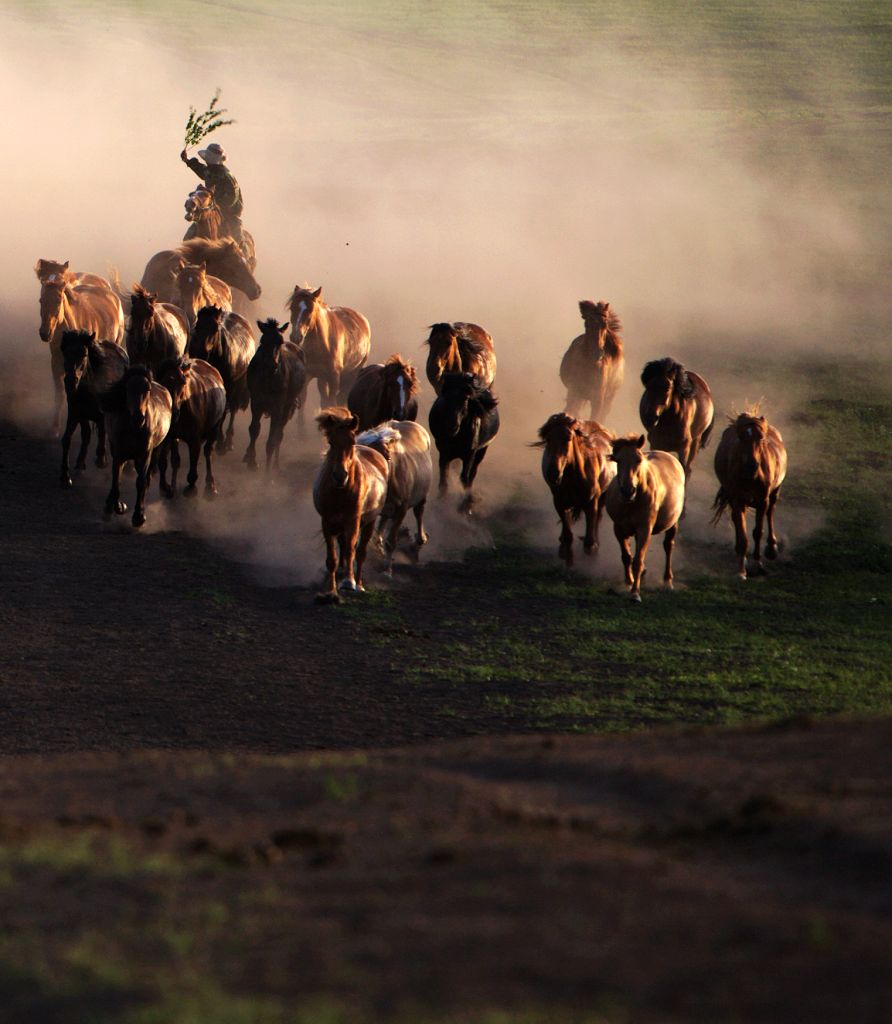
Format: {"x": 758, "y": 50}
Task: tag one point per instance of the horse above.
{"x": 137, "y": 419}
{"x": 206, "y": 220}
{"x": 225, "y": 341}
{"x": 577, "y": 469}
{"x": 676, "y": 410}
{"x": 91, "y": 367}
{"x": 463, "y": 420}
{"x": 384, "y": 391}
{"x": 593, "y": 366}
{"x": 460, "y": 348}
{"x": 277, "y": 377}
{"x": 407, "y": 447}
{"x": 157, "y": 330}
{"x": 645, "y": 497}
{"x": 198, "y": 289}
{"x": 349, "y": 494}
{"x": 336, "y": 341}
{"x": 222, "y": 257}
{"x": 751, "y": 463}
{"x": 47, "y": 270}
{"x": 198, "y": 409}
{"x": 75, "y": 307}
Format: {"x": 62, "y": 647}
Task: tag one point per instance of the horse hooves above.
{"x": 211, "y": 492}
{"x": 66, "y": 482}
{"x": 139, "y": 519}
{"x": 168, "y": 491}
{"x": 758, "y": 570}
{"x": 120, "y": 508}
{"x": 190, "y": 491}
{"x": 329, "y": 598}
{"x": 348, "y": 587}
{"x": 771, "y": 553}
{"x": 636, "y": 597}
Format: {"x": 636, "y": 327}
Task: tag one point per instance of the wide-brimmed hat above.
{"x": 214, "y": 154}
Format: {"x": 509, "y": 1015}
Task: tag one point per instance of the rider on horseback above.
{"x": 227, "y": 193}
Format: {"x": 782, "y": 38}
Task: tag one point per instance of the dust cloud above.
{"x": 477, "y": 163}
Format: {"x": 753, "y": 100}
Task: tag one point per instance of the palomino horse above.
{"x": 91, "y": 368}
{"x": 137, "y": 418}
{"x": 751, "y": 463}
{"x": 349, "y": 494}
{"x": 157, "y": 330}
{"x": 463, "y": 420}
{"x": 407, "y": 447}
{"x": 225, "y": 341}
{"x": 335, "y": 339}
{"x": 75, "y": 307}
{"x": 277, "y": 376}
{"x": 207, "y": 222}
{"x": 644, "y": 498}
{"x": 676, "y": 410}
{"x": 223, "y": 258}
{"x": 199, "y": 407}
{"x": 460, "y": 348}
{"x": 576, "y": 466}
{"x": 199, "y": 289}
{"x": 384, "y": 391}
{"x": 592, "y": 367}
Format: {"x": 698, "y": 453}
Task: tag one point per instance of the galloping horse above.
{"x": 157, "y": 330}
{"x": 592, "y": 367}
{"x": 277, "y": 377}
{"x": 206, "y": 220}
{"x": 384, "y": 391}
{"x": 335, "y": 339}
{"x": 577, "y": 468}
{"x": 460, "y": 348}
{"x": 75, "y": 307}
{"x": 349, "y": 494}
{"x": 644, "y": 498}
{"x": 751, "y": 463}
{"x": 199, "y": 289}
{"x": 223, "y": 258}
{"x": 676, "y": 410}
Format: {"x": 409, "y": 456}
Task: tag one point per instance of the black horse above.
{"x": 277, "y": 377}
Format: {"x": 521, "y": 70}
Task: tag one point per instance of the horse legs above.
{"x": 738, "y": 517}
{"x": 142, "y": 482}
{"x": 642, "y": 541}
{"x": 565, "y": 542}
{"x": 210, "y": 486}
{"x": 468, "y": 473}
{"x": 668, "y": 545}
{"x": 365, "y": 536}
{"x": 392, "y": 534}
{"x": 101, "y": 458}
{"x": 70, "y": 427}
{"x": 592, "y": 513}
{"x": 349, "y": 538}
{"x": 771, "y": 544}
{"x": 444, "y": 476}
{"x": 230, "y": 432}
{"x": 757, "y": 535}
{"x": 420, "y": 536}
{"x": 253, "y": 433}
{"x": 331, "y": 563}
{"x": 625, "y": 553}
{"x": 86, "y": 434}
{"x": 274, "y": 441}
{"x": 192, "y": 476}
{"x": 113, "y": 502}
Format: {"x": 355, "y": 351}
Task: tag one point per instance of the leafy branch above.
{"x": 200, "y": 125}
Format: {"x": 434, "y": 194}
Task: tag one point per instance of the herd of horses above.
{"x": 172, "y": 358}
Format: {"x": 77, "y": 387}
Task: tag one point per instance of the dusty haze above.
{"x": 476, "y": 164}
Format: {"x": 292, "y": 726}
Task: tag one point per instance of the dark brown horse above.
{"x": 460, "y": 348}
{"x": 349, "y": 494}
{"x": 225, "y": 341}
{"x": 91, "y": 368}
{"x": 577, "y": 468}
{"x": 198, "y": 410}
{"x": 335, "y": 339}
{"x": 222, "y": 257}
{"x": 157, "y": 330}
{"x": 751, "y": 463}
{"x": 384, "y": 391}
{"x": 207, "y": 219}
{"x": 199, "y": 289}
{"x": 645, "y": 497}
{"x": 276, "y": 382}
{"x": 676, "y": 410}
{"x": 137, "y": 419}
{"x": 593, "y": 366}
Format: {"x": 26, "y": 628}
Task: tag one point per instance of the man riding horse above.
{"x": 227, "y": 193}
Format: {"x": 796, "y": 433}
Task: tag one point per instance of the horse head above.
{"x": 175, "y": 374}
{"x": 400, "y": 386}
{"x": 304, "y": 306}
{"x": 137, "y": 390}
{"x": 663, "y": 380}
{"x": 339, "y": 426}
{"x": 272, "y": 338}
{"x": 233, "y": 267}
{"x": 461, "y": 396}
{"x": 205, "y": 337}
{"x": 47, "y": 269}
{"x": 53, "y": 293}
{"x": 751, "y": 433}
{"x": 628, "y": 454}
{"x": 445, "y": 355}
{"x": 559, "y": 437}
{"x": 142, "y": 316}
{"x": 76, "y": 346}
{"x": 200, "y": 203}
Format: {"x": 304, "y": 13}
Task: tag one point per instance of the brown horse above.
{"x": 407, "y": 447}
{"x": 199, "y": 408}
{"x": 576, "y": 466}
{"x": 137, "y": 419}
{"x": 384, "y": 391}
{"x": 199, "y": 289}
{"x": 751, "y": 463}
{"x": 277, "y": 377}
{"x": 460, "y": 348}
{"x": 75, "y": 307}
{"x": 349, "y": 494}
{"x": 206, "y": 222}
{"x": 644, "y": 498}
{"x": 222, "y": 257}
{"x": 47, "y": 270}
{"x": 676, "y": 410}
{"x": 157, "y": 330}
{"x": 335, "y": 339}
{"x": 593, "y": 366}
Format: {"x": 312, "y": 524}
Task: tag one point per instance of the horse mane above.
{"x": 381, "y": 435}
{"x": 672, "y": 370}
{"x": 334, "y": 417}
{"x": 604, "y": 313}
{"x": 626, "y": 441}
{"x": 198, "y": 249}
{"x": 751, "y": 411}
{"x": 397, "y": 362}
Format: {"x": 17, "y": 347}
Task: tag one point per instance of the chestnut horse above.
{"x": 157, "y": 330}
{"x": 676, "y": 410}
{"x": 645, "y": 497}
{"x": 198, "y": 289}
{"x": 349, "y": 494}
{"x": 384, "y": 391}
{"x": 336, "y": 341}
{"x": 407, "y": 447}
{"x": 206, "y": 220}
{"x": 46, "y": 270}
{"x": 137, "y": 418}
{"x": 198, "y": 409}
{"x": 460, "y": 348}
{"x": 751, "y": 463}
{"x": 75, "y": 307}
{"x": 223, "y": 258}
{"x": 277, "y": 376}
{"x": 577, "y": 468}
{"x": 593, "y": 366}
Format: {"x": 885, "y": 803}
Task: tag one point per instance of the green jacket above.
{"x": 227, "y": 193}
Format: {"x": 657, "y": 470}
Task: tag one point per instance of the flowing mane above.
{"x": 198, "y": 249}
{"x": 671, "y": 370}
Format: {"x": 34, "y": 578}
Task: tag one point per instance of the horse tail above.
{"x": 705, "y": 436}
{"x": 115, "y": 279}
{"x": 722, "y": 501}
